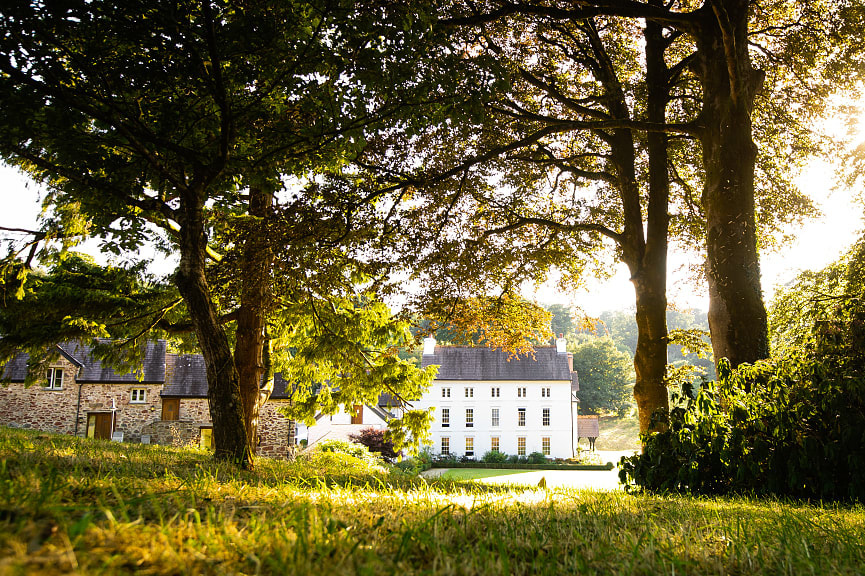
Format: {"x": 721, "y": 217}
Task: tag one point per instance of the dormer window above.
{"x": 54, "y": 379}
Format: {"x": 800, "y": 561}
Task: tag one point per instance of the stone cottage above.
{"x": 164, "y": 402}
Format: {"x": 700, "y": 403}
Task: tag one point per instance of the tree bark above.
{"x": 650, "y": 278}
{"x": 737, "y": 315}
{"x": 255, "y": 268}
{"x": 230, "y": 436}
{"x": 644, "y": 251}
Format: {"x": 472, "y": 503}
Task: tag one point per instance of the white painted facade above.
{"x": 474, "y": 416}
{"x": 339, "y": 426}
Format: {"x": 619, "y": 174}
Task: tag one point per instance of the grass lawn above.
{"x": 91, "y": 507}
{"x": 475, "y": 473}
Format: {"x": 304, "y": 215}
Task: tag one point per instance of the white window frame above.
{"x": 521, "y": 392}
{"x": 495, "y": 392}
{"x": 545, "y": 445}
{"x": 494, "y": 417}
{"x": 446, "y": 445}
{"x": 521, "y": 416}
{"x": 521, "y": 445}
{"x": 495, "y": 442}
{"x": 545, "y": 393}
{"x": 446, "y": 392}
{"x": 51, "y": 377}
{"x": 470, "y": 417}
{"x": 138, "y": 396}
{"x": 446, "y": 417}
{"x": 470, "y": 392}
{"x": 470, "y": 445}
{"x": 545, "y": 417}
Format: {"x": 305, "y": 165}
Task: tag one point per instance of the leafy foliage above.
{"x": 376, "y": 441}
{"x": 494, "y": 457}
{"x": 792, "y": 427}
{"x": 606, "y": 377}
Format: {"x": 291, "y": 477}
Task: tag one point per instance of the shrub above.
{"x": 332, "y": 456}
{"x": 536, "y": 458}
{"x": 799, "y": 431}
{"x": 376, "y": 440}
{"x": 494, "y": 457}
{"x": 513, "y": 458}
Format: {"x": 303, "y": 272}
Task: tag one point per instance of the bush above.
{"x": 513, "y": 459}
{"x": 332, "y": 456}
{"x": 358, "y": 451}
{"x": 376, "y": 440}
{"x": 536, "y": 458}
{"x": 799, "y": 431}
{"x": 494, "y": 457}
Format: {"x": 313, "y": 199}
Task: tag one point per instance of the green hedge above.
{"x": 509, "y": 466}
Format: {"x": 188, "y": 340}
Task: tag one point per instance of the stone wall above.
{"x": 129, "y": 417}
{"x": 37, "y": 408}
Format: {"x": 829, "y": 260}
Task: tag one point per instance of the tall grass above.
{"x": 93, "y": 507}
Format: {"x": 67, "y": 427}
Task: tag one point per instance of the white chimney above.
{"x": 429, "y": 346}
{"x": 561, "y": 345}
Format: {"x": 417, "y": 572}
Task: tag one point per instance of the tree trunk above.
{"x": 223, "y": 391}
{"x": 644, "y": 252}
{"x": 255, "y": 267}
{"x": 650, "y": 278}
{"x": 737, "y": 315}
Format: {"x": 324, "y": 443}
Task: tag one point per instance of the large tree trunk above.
{"x": 230, "y": 436}
{"x": 737, "y": 315}
{"x": 255, "y": 266}
{"x": 650, "y": 277}
{"x": 645, "y": 256}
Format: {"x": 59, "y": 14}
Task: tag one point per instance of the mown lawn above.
{"x": 477, "y": 473}
{"x": 92, "y": 507}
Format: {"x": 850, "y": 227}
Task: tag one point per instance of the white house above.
{"x": 484, "y": 400}
{"x": 345, "y": 423}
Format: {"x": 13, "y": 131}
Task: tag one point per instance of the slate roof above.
{"x": 92, "y": 371}
{"x": 190, "y": 380}
{"x": 478, "y": 363}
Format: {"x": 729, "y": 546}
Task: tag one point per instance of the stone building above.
{"x": 164, "y": 402}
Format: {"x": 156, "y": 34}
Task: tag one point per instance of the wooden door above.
{"x": 99, "y": 425}
{"x": 357, "y": 414}
{"x": 171, "y": 408}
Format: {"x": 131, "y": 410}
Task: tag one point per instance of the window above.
{"x": 446, "y": 446}
{"x": 138, "y": 395}
{"x": 521, "y": 416}
{"x": 446, "y": 417}
{"x": 545, "y": 445}
{"x": 545, "y": 418}
{"x": 495, "y": 417}
{"x": 521, "y": 392}
{"x": 470, "y": 392}
{"x": 470, "y": 446}
{"x": 495, "y": 391}
{"x": 470, "y": 417}
{"x": 521, "y": 446}
{"x": 55, "y": 379}
{"x": 494, "y": 443}
{"x": 446, "y": 392}
{"x": 545, "y": 392}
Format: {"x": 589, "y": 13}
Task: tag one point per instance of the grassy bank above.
{"x": 93, "y": 507}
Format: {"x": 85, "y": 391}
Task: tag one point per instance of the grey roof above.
{"x": 477, "y": 363}
{"x": 189, "y": 380}
{"x": 152, "y": 369}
